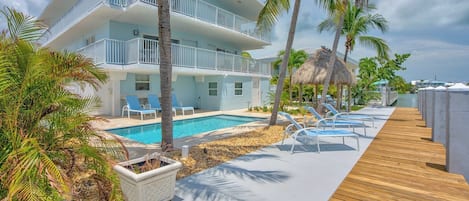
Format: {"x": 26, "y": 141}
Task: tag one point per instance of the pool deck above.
{"x": 273, "y": 173}
{"x": 403, "y": 164}
{"x": 136, "y": 149}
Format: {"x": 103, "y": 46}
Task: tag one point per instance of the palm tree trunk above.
{"x": 290, "y": 87}
{"x": 164, "y": 28}
{"x": 300, "y": 92}
{"x": 283, "y": 67}
{"x": 330, "y": 64}
{"x": 347, "y": 49}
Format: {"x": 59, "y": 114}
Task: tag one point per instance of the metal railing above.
{"x": 145, "y": 51}
{"x": 197, "y": 9}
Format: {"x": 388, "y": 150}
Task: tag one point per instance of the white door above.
{"x": 256, "y": 93}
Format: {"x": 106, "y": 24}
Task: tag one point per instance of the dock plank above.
{"x": 403, "y": 164}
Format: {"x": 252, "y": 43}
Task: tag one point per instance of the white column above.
{"x": 420, "y": 99}
{"x": 439, "y": 115}
{"x": 457, "y": 153}
{"x": 429, "y": 106}
{"x": 114, "y": 79}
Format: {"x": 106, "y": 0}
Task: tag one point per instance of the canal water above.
{"x": 406, "y": 100}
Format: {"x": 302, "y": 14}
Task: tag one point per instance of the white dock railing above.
{"x": 197, "y": 9}
{"x": 145, "y": 51}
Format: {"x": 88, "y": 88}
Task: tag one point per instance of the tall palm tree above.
{"x": 44, "y": 129}
{"x": 336, "y": 8}
{"x": 267, "y": 18}
{"x": 297, "y": 58}
{"x": 356, "y": 24}
{"x": 164, "y": 28}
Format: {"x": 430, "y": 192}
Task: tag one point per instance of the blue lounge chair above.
{"x": 178, "y": 106}
{"x": 154, "y": 104}
{"x": 296, "y": 130}
{"x": 331, "y": 122}
{"x": 347, "y": 116}
{"x": 133, "y": 105}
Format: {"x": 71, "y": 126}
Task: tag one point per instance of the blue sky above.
{"x": 435, "y": 32}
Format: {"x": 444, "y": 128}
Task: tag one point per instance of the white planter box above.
{"x": 153, "y": 185}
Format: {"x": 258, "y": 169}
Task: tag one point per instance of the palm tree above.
{"x": 356, "y": 24}
{"x": 164, "y": 25}
{"x": 44, "y": 130}
{"x": 267, "y": 17}
{"x": 338, "y": 9}
{"x": 297, "y": 58}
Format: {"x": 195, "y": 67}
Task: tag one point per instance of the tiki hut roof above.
{"x": 313, "y": 71}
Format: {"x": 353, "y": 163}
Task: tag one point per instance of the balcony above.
{"x": 145, "y": 51}
{"x": 196, "y": 9}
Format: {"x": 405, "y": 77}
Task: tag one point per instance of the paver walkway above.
{"x": 403, "y": 164}
{"x": 272, "y": 173}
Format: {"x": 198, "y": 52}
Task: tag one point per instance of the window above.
{"x": 90, "y": 40}
{"x": 238, "y": 88}
{"x": 212, "y": 89}
{"x": 142, "y": 82}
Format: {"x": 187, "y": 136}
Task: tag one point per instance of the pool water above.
{"x": 151, "y": 133}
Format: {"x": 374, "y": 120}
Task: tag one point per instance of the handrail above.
{"x": 190, "y": 8}
{"x": 145, "y": 51}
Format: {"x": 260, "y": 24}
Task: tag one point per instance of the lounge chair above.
{"x": 178, "y": 106}
{"x": 347, "y": 116}
{"x": 333, "y": 123}
{"x": 154, "y": 104}
{"x": 296, "y": 130}
{"x": 133, "y": 105}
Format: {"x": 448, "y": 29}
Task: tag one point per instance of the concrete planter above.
{"x": 154, "y": 185}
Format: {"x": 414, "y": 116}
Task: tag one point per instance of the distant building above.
{"x": 428, "y": 83}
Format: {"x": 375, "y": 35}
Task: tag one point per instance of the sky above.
{"x": 434, "y": 32}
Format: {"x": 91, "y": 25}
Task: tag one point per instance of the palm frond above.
{"x": 21, "y": 26}
{"x": 376, "y": 43}
{"x": 268, "y": 16}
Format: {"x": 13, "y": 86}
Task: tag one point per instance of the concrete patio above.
{"x": 273, "y": 173}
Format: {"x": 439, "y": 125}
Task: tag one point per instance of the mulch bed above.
{"x": 214, "y": 153}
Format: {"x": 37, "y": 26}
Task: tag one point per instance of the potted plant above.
{"x": 151, "y": 177}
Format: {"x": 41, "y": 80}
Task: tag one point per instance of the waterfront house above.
{"x": 121, "y": 36}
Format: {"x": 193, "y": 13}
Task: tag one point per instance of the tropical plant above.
{"x": 267, "y": 18}
{"x": 357, "y": 23}
{"x": 375, "y": 69}
{"x": 44, "y": 129}
{"x": 296, "y": 59}
{"x": 164, "y": 29}
{"x": 335, "y": 8}
{"x": 400, "y": 85}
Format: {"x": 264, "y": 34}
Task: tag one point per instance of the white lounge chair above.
{"x": 178, "y": 106}
{"x": 296, "y": 130}
{"x": 347, "y": 116}
{"x": 333, "y": 123}
{"x": 133, "y": 105}
{"x": 154, "y": 103}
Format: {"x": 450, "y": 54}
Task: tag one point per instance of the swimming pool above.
{"x": 151, "y": 133}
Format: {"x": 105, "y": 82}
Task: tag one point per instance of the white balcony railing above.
{"x": 197, "y": 9}
{"x": 145, "y": 51}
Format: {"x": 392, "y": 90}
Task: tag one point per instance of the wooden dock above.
{"x": 402, "y": 163}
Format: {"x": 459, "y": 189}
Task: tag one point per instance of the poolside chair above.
{"x": 133, "y": 105}
{"x": 347, "y": 116}
{"x": 296, "y": 131}
{"x": 154, "y": 104}
{"x": 178, "y": 106}
{"x": 333, "y": 123}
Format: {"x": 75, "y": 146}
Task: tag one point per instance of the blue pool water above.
{"x": 149, "y": 134}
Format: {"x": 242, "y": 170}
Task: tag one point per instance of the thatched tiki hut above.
{"x": 314, "y": 70}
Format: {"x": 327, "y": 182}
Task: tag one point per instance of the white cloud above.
{"x": 417, "y": 14}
